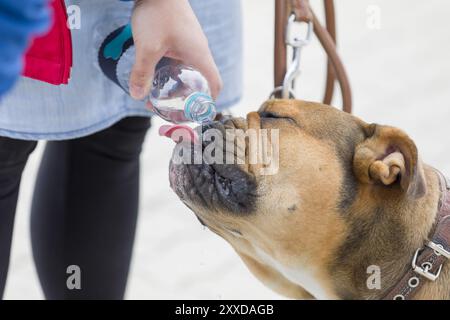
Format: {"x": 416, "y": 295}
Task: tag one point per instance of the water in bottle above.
{"x": 179, "y": 93}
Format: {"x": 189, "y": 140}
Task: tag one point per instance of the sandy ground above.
{"x": 400, "y": 74}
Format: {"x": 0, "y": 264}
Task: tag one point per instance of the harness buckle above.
{"x": 424, "y": 269}
{"x": 438, "y": 249}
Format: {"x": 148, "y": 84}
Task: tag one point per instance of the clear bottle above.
{"x": 179, "y": 93}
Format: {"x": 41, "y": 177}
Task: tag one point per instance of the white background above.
{"x": 400, "y": 75}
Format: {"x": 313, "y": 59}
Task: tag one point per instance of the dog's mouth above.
{"x": 200, "y": 181}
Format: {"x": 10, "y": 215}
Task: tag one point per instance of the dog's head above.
{"x": 330, "y": 168}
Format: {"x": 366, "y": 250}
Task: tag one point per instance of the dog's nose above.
{"x": 223, "y": 118}
{"x": 216, "y": 125}
{"x": 206, "y": 127}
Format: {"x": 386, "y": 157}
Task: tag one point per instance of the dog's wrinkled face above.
{"x": 291, "y": 220}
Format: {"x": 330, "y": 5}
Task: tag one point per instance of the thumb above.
{"x": 141, "y": 77}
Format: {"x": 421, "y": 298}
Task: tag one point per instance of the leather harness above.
{"x": 428, "y": 261}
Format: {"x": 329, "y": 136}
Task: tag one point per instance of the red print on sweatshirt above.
{"x": 49, "y": 58}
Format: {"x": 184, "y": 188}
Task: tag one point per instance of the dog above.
{"x": 348, "y": 196}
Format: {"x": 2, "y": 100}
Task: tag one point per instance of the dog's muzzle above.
{"x": 203, "y": 179}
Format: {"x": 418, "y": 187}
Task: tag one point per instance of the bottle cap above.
{"x": 200, "y": 107}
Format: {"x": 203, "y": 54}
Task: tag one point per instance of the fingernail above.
{"x": 137, "y": 92}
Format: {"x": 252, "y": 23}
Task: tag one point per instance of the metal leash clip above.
{"x": 292, "y": 40}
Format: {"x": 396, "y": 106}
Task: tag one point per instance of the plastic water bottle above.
{"x": 179, "y": 93}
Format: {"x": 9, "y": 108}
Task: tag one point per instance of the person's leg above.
{"x": 13, "y": 157}
{"x": 85, "y": 209}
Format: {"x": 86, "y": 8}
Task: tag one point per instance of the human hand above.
{"x": 168, "y": 28}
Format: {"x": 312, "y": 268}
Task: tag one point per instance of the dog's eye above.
{"x": 272, "y": 115}
{"x": 269, "y": 115}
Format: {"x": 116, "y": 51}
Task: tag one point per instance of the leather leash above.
{"x": 428, "y": 261}
{"x": 300, "y": 11}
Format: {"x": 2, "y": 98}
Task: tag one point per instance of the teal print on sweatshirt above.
{"x": 114, "y": 49}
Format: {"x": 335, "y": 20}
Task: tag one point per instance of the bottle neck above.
{"x": 200, "y": 107}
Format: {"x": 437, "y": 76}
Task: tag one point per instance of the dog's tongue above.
{"x": 178, "y": 133}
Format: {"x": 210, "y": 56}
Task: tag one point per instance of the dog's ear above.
{"x": 388, "y": 156}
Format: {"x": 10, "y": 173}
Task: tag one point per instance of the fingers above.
{"x": 180, "y": 38}
{"x": 144, "y": 68}
{"x": 209, "y": 69}
{"x": 211, "y": 73}
{"x": 203, "y": 61}
{"x": 141, "y": 77}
